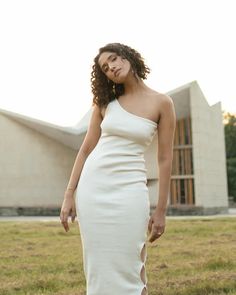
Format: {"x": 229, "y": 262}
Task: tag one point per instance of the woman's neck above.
{"x": 134, "y": 85}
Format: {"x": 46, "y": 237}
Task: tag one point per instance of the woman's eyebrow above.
{"x": 109, "y": 57}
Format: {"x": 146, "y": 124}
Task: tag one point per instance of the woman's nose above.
{"x": 112, "y": 67}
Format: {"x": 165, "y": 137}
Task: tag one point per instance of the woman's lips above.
{"x": 117, "y": 72}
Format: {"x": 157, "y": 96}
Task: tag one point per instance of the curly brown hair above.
{"x": 105, "y": 90}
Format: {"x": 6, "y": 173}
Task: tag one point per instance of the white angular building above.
{"x": 36, "y": 159}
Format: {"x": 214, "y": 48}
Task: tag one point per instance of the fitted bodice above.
{"x": 120, "y": 148}
{"x": 134, "y": 130}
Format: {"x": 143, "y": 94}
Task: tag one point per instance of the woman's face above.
{"x": 115, "y": 67}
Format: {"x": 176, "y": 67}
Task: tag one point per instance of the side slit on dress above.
{"x": 143, "y": 275}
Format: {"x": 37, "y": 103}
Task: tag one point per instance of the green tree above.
{"x": 230, "y": 144}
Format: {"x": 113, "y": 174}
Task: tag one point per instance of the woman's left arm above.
{"x": 166, "y": 130}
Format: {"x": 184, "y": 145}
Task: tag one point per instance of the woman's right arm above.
{"x": 90, "y": 141}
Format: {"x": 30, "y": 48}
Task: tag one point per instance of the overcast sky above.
{"x": 47, "y": 50}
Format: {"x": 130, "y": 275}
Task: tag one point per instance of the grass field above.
{"x": 193, "y": 257}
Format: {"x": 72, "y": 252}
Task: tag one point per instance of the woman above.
{"x": 109, "y": 175}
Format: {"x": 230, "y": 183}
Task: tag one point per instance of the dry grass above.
{"x": 193, "y": 257}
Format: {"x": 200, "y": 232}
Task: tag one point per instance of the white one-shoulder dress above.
{"x": 112, "y": 205}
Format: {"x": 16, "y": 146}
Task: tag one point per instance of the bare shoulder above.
{"x": 166, "y": 108}
{"x": 102, "y": 111}
{"x": 163, "y": 102}
{"x": 162, "y": 98}
{"x": 97, "y": 111}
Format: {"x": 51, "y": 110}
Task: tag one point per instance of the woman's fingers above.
{"x": 156, "y": 232}
{"x": 154, "y": 235}
{"x": 67, "y": 209}
{"x": 64, "y": 220}
{"x": 150, "y": 224}
{"x": 66, "y": 226}
{"x": 73, "y": 215}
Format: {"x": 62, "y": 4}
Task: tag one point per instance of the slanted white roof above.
{"x": 73, "y": 136}
{"x": 69, "y": 136}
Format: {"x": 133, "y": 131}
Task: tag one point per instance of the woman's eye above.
{"x": 114, "y": 58}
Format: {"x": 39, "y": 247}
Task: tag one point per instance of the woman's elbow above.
{"x": 165, "y": 159}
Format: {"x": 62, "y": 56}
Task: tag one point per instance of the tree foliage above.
{"x": 230, "y": 144}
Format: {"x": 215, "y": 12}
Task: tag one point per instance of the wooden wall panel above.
{"x": 182, "y": 182}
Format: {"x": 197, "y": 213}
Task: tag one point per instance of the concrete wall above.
{"x": 208, "y": 151}
{"x": 34, "y": 168}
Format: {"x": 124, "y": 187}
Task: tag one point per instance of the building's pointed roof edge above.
{"x": 182, "y": 87}
{"x": 33, "y": 122}
{"x": 192, "y": 84}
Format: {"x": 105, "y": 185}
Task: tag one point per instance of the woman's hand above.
{"x": 156, "y": 225}
{"x": 68, "y": 209}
